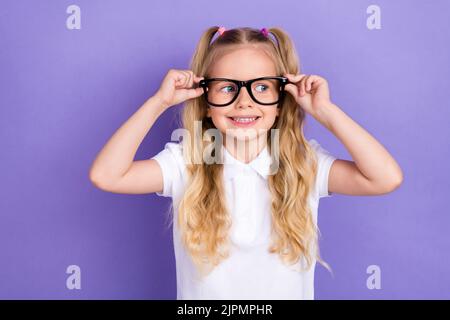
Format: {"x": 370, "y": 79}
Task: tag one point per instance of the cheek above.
{"x": 270, "y": 116}
{"x": 219, "y": 119}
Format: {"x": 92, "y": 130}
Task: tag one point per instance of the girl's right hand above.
{"x": 177, "y": 87}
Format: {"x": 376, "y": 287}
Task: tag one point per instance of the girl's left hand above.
{"x": 309, "y": 91}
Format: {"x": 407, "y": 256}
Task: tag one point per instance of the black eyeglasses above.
{"x": 221, "y": 92}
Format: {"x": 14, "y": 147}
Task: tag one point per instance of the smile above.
{"x": 244, "y": 121}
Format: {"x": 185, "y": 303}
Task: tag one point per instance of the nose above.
{"x": 244, "y": 99}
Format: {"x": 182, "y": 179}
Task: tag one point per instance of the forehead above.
{"x": 243, "y": 63}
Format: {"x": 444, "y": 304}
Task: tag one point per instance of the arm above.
{"x": 114, "y": 170}
{"x": 374, "y": 171}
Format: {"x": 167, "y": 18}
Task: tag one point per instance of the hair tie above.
{"x": 265, "y": 32}
{"x": 221, "y": 30}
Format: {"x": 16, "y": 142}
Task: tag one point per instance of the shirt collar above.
{"x": 233, "y": 167}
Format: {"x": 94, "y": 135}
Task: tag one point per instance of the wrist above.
{"x": 326, "y": 114}
{"x": 158, "y": 103}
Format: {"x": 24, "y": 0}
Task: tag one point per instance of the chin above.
{"x": 244, "y": 134}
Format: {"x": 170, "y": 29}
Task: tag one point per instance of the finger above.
{"x": 297, "y": 78}
{"x": 195, "y": 80}
{"x": 308, "y": 83}
{"x": 192, "y": 79}
{"x": 302, "y": 86}
{"x": 311, "y": 82}
{"x": 193, "y": 93}
{"x": 183, "y": 79}
{"x": 180, "y": 79}
{"x": 198, "y": 92}
{"x": 198, "y": 79}
{"x": 292, "y": 89}
{"x": 307, "y": 80}
{"x": 294, "y": 78}
{"x": 187, "y": 83}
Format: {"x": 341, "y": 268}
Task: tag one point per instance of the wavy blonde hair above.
{"x": 203, "y": 218}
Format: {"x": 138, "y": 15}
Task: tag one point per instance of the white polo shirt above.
{"x": 250, "y": 272}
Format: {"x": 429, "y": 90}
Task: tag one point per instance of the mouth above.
{"x": 246, "y": 121}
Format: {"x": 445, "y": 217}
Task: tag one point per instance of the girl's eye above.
{"x": 262, "y": 85}
{"x": 231, "y": 87}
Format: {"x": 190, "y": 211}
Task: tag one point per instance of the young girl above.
{"x": 245, "y": 224}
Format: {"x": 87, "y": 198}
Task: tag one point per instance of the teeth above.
{"x": 244, "y": 120}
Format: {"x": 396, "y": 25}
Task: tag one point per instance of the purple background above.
{"x": 64, "y": 93}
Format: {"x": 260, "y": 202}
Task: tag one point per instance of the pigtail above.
{"x": 286, "y": 50}
{"x": 202, "y": 49}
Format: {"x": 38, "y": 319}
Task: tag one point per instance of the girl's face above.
{"x": 243, "y": 64}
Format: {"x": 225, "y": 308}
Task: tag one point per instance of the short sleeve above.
{"x": 324, "y": 162}
{"x": 171, "y": 161}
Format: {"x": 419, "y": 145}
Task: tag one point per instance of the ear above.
{"x": 208, "y": 114}
{"x": 278, "y": 111}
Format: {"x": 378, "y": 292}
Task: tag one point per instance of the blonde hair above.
{"x": 203, "y": 218}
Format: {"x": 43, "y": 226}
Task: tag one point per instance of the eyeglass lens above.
{"x": 264, "y": 91}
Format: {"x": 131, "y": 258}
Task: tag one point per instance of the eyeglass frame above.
{"x": 283, "y": 81}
